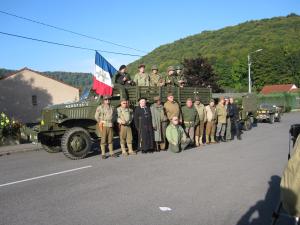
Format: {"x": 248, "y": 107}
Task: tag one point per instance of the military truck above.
{"x": 248, "y": 110}
{"x": 71, "y": 128}
{"x": 269, "y": 112}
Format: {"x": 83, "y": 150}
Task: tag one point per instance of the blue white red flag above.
{"x": 102, "y": 81}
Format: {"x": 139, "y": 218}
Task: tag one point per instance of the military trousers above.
{"x": 199, "y": 129}
{"x": 221, "y": 128}
{"x": 125, "y": 135}
{"x": 106, "y": 135}
{"x": 178, "y": 148}
{"x": 228, "y": 129}
{"x": 210, "y": 128}
{"x": 236, "y": 128}
{"x": 190, "y": 131}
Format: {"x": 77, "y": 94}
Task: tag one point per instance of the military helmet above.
{"x": 142, "y": 65}
{"x": 154, "y": 67}
{"x": 171, "y": 68}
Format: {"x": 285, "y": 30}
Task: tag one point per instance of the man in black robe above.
{"x": 143, "y": 123}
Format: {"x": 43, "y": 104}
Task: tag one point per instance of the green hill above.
{"x": 227, "y": 49}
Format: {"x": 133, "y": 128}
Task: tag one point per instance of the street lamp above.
{"x": 249, "y": 69}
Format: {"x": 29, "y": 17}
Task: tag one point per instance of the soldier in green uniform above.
{"x": 160, "y": 122}
{"x": 180, "y": 78}
{"x": 170, "y": 79}
{"x": 221, "y": 118}
{"x": 190, "y": 118}
{"x": 172, "y": 108}
{"x": 156, "y": 79}
{"x": 105, "y": 116}
{"x": 202, "y": 120}
{"x": 125, "y": 117}
{"x": 142, "y": 78}
{"x": 176, "y": 136}
{"x": 211, "y": 117}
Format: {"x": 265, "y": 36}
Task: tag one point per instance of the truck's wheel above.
{"x": 76, "y": 143}
{"x": 272, "y": 118}
{"x": 50, "y": 146}
{"x": 248, "y": 124}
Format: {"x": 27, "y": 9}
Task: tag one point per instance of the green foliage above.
{"x": 227, "y": 49}
{"x": 200, "y": 73}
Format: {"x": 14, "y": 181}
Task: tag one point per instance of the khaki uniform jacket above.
{"x": 125, "y": 116}
{"x": 105, "y": 115}
{"x": 142, "y": 79}
{"x": 201, "y": 112}
{"x": 221, "y": 113}
{"x": 211, "y": 114}
{"x": 172, "y": 109}
{"x": 175, "y": 134}
{"x": 157, "y": 80}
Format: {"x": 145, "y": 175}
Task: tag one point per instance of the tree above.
{"x": 200, "y": 73}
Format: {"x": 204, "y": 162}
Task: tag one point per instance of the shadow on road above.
{"x": 261, "y": 212}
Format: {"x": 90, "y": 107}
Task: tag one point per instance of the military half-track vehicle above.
{"x": 269, "y": 112}
{"x": 71, "y": 128}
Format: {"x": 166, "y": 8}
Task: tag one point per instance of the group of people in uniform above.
{"x": 166, "y": 126}
{"x": 173, "y": 77}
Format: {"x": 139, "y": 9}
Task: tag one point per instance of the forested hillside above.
{"x": 227, "y": 49}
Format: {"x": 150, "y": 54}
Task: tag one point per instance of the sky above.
{"x": 143, "y": 25}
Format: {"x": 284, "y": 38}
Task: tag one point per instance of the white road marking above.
{"x": 44, "y": 176}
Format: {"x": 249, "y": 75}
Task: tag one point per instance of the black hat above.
{"x": 142, "y": 98}
{"x": 122, "y": 67}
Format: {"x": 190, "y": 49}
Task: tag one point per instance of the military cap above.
{"x": 212, "y": 100}
{"x": 156, "y": 98}
{"x": 178, "y": 67}
{"x": 226, "y": 98}
{"x": 170, "y": 94}
{"x": 106, "y": 97}
{"x": 197, "y": 98}
{"x": 222, "y": 98}
{"x": 171, "y": 68}
{"x": 142, "y": 65}
{"x": 154, "y": 67}
{"x": 123, "y": 100}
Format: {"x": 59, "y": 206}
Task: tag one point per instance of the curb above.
{"x": 8, "y": 150}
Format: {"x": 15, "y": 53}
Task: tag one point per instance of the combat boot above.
{"x": 130, "y": 150}
{"x": 123, "y": 148}
{"x": 223, "y": 139}
{"x": 239, "y": 137}
{"x": 197, "y": 141}
{"x": 200, "y": 140}
{"x": 212, "y": 139}
{"x": 103, "y": 151}
{"x": 111, "y": 151}
{"x": 207, "y": 139}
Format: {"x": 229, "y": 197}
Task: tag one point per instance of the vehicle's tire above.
{"x": 278, "y": 119}
{"x": 272, "y": 118}
{"x": 76, "y": 143}
{"x": 50, "y": 146}
{"x": 248, "y": 124}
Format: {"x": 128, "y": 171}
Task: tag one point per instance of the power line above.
{"x": 70, "y": 31}
{"x": 65, "y": 45}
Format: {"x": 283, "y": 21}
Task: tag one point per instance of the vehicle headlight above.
{"x": 42, "y": 123}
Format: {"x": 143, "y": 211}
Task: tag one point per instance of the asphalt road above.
{"x": 233, "y": 183}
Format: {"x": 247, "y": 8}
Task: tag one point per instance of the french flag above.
{"x": 102, "y": 82}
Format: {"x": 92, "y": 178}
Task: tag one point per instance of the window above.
{"x": 34, "y": 100}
